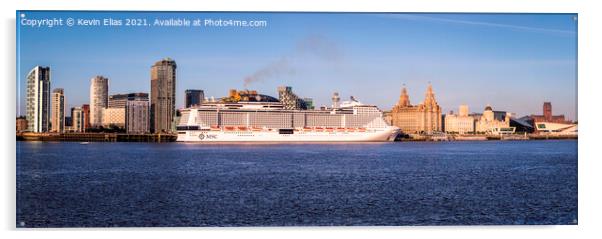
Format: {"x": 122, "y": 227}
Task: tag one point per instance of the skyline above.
{"x": 214, "y": 60}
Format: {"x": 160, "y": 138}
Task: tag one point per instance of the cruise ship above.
{"x": 272, "y": 122}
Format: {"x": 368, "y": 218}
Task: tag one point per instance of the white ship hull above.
{"x": 269, "y": 122}
{"x": 369, "y": 135}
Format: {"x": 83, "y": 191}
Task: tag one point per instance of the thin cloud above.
{"x": 481, "y": 23}
{"x": 317, "y": 45}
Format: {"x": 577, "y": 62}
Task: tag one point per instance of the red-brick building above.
{"x": 548, "y": 117}
{"x": 86, "y": 114}
{"x": 21, "y": 124}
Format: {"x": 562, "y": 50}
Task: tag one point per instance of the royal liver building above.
{"x": 424, "y": 118}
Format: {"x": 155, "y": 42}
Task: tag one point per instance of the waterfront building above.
{"x": 289, "y": 99}
{"x": 21, "y": 124}
{"x": 117, "y": 101}
{"x": 38, "y": 99}
{"x": 310, "y": 103}
{"x": 424, "y": 118}
{"x": 557, "y": 128}
{"x": 113, "y": 117}
{"x": 548, "y": 116}
{"x": 460, "y": 123}
{"x": 57, "y": 119}
{"x": 120, "y": 100}
{"x": 86, "y": 116}
{"x": 163, "y": 95}
{"x": 522, "y": 125}
{"x": 490, "y": 122}
{"x": 118, "y": 107}
{"x": 114, "y": 114}
{"x": 99, "y": 99}
{"x": 77, "y": 119}
{"x": 68, "y": 124}
{"x": 68, "y": 121}
{"x": 193, "y": 97}
{"x": 137, "y": 119}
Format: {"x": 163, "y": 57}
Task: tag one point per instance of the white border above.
{"x": 589, "y": 118}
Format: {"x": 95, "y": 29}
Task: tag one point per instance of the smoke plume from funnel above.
{"x": 279, "y": 67}
{"x": 316, "y": 46}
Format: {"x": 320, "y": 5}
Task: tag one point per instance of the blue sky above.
{"x": 513, "y": 62}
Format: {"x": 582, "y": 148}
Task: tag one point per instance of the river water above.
{"x": 66, "y": 184}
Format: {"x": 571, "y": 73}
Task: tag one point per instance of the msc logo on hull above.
{"x": 207, "y": 136}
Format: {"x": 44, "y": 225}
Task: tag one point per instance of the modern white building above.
{"x": 99, "y": 99}
{"x": 77, "y": 118}
{"x": 460, "y": 123}
{"x": 38, "y": 99}
{"x": 58, "y": 110}
{"x": 557, "y": 128}
{"x": 137, "y": 119}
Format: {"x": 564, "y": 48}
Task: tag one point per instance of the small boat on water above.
{"x": 84, "y": 143}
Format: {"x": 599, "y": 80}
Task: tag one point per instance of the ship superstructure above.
{"x": 269, "y": 121}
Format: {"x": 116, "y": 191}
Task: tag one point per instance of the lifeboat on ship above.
{"x": 229, "y": 128}
{"x": 256, "y": 129}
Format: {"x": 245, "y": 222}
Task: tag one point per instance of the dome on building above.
{"x": 488, "y": 108}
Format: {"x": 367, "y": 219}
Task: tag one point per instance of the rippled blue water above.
{"x": 63, "y": 184}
